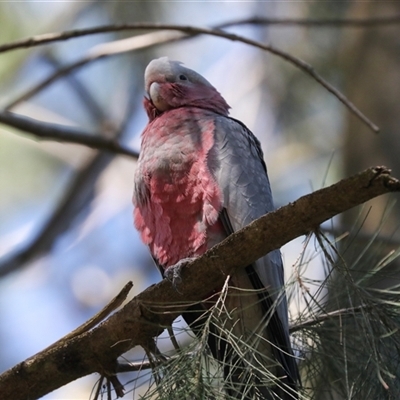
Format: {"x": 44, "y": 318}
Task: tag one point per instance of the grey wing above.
{"x": 243, "y": 178}
{"x": 241, "y": 174}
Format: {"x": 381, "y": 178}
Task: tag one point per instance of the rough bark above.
{"x": 144, "y": 317}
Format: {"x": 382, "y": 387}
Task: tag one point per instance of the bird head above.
{"x": 170, "y": 85}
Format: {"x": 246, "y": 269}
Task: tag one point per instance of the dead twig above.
{"x": 97, "y": 318}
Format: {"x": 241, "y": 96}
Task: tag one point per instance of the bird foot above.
{"x": 174, "y": 272}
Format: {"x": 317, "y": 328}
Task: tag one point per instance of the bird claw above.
{"x": 174, "y": 272}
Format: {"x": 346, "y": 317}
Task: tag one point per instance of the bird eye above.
{"x": 183, "y": 77}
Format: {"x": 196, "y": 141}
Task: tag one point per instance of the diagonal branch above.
{"x": 151, "y": 39}
{"x": 77, "y": 195}
{"x": 97, "y": 53}
{"x": 145, "y": 316}
{"x": 92, "y": 105}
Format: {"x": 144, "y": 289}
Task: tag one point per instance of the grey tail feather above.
{"x": 282, "y": 348}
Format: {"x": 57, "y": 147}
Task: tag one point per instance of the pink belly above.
{"x": 180, "y": 219}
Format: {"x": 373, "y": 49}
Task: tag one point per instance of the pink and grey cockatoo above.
{"x": 200, "y": 177}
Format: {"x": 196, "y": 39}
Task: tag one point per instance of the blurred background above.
{"x": 67, "y": 241}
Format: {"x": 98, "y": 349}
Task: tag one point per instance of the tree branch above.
{"x": 78, "y": 194}
{"x": 143, "y": 41}
{"x": 43, "y": 130}
{"x": 145, "y": 316}
{"x": 46, "y": 38}
{"x": 95, "y": 111}
{"x": 318, "y": 22}
{"x": 115, "y": 303}
{"x": 97, "y": 53}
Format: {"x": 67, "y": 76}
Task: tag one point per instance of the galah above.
{"x": 200, "y": 177}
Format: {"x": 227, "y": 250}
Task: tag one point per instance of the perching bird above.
{"x": 200, "y": 177}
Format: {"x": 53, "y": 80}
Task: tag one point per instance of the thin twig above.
{"x": 97, "y": 53}
{"x": 173, "y": 338}
{"x": 108, "y": 384}
{"x": 309, "y": 323}
{"x": 104, "y": 312}
{"x": 134, "y": 366}
{"x": 62, "y": 133}
{"x": 147, "y": 40}
{"x": 318, "y": 22}
{"x": 97, "y": 318}
{"x": 117, "y": 385}
{"x": 99, "y": 385}
{"x": 95, "y": 111}
{"x": 46, "y": 38}
{"x": 365, "y": 236}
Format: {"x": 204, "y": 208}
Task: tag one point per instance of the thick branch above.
{"x": 43, "y": 130}
{"x": 145, "y": 316}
